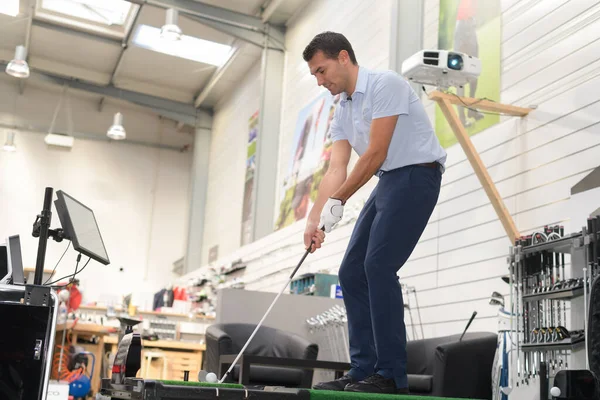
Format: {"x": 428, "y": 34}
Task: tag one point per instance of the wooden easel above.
{"x": 445, "y": 101}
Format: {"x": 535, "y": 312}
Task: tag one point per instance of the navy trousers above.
{"x": 385, "y": 234}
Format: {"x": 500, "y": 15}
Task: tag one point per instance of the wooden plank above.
{"x": 479, "y": 104}
{"x": 479, "y": 168}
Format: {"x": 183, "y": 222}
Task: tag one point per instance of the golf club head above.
{"x": 498, "y": 297}
{"x": 496, "y": 302}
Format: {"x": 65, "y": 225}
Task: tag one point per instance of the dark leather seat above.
{"x": 445, "y": 367}
{"x": 222, "y": 339}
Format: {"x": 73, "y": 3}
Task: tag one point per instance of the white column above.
{"x": 406, "y": 37}
{"x": 198, "y": 190}
{"x": 267, "y": 145}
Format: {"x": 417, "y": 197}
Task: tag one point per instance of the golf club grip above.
{"x": 302, "y": 259}
{"x": 469, "y": 324}
{"x": 306, "y": 253}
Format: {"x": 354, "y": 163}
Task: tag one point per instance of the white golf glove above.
{"x": 332, "y": 213}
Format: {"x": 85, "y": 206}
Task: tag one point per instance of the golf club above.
{"x": 267, "y": 313}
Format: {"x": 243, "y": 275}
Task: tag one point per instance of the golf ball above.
{"x": 211, "y": 377}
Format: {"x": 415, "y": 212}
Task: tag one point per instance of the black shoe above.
{"x": 337, "y": 385}
{"x": 376, "y": 384}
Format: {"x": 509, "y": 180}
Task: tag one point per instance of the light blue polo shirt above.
{"x": 382, "y": 94}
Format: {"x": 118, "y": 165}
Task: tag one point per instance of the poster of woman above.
{"x": 309, "y": 159}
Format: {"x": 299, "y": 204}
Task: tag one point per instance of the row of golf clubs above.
{"x": 332, "y": 326}
{"x": 525, "y": 280}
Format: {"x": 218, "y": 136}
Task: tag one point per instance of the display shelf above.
{"x": 156, "y": 313}
{"x": 562, "y": 245}
{"x": 568, "y": 293}
{"x": 565, "y": 344}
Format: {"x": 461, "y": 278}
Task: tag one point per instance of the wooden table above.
{"x": 180, "y": 356}
{"x": 87, "y": 330}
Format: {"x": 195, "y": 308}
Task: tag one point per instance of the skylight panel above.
{"x": 106, "y": 12}
{"x": 188, "y": 47}
{"x": 9, "y": 7}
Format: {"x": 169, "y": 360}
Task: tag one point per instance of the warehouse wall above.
{"x": 139, "y": 194}
{"x": 549, "y": 58}
{"x": 227, "y": 166}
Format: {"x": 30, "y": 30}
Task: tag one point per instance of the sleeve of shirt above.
{"x": 335, "y": 129}
{"x": 391, "y": 96}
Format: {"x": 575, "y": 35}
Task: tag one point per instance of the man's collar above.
{"x": 361, "y": 83}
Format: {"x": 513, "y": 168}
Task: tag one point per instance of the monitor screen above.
{"x": 80, "y": 226}
{"x": 15, "y": 258}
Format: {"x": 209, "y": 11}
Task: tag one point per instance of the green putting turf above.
{"x": 204, "y": 384}
{"x": 330, "y": 395}
{"x": 319, "y": 394}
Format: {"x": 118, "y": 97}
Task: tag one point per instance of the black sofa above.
{"x": 228, "y": 339}
{"x": 445, "y": 367}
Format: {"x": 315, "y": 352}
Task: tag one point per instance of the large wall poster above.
{"x": 473, "y": 27}
{"x": 249, "y": 181}
{"x": 308, "y": 161}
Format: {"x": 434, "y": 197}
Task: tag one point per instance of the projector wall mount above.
{"x": 445, "y": 101}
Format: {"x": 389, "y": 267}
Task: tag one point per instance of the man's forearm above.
{"x": 365, "y": 167}
{"x": 333, "y": 179}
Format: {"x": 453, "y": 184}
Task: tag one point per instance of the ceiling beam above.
{"x": 270, "y": 10}
{"x": 27, "y": 43}
{"x": 216, "y": 76}
{"x": 124, "y": 46}
{"x": 175, "y": 110}
{"x": 91, "y": 136}
{"x": 256, "y": 38}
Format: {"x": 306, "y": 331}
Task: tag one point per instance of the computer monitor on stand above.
{"x": 78, "y": 225}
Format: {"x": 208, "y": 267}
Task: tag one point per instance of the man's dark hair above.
{"x": 330, "y": 43}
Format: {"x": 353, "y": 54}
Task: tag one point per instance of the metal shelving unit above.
{"x": 536, "y": 266}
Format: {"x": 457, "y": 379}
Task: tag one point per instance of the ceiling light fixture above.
{"x": 9, "y": 145}
{"x": 170, "y": 30}
{"x": 117, "y": 131}
{"x": 59, "y": 140}
{"x": 18, "y": 67}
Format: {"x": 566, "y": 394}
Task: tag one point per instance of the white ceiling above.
{"x": 88, "y": 57}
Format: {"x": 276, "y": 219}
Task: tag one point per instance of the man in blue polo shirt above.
{"x": 383, "y": 120}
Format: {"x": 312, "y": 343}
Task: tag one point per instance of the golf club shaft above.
{"x": 267, "y": 313}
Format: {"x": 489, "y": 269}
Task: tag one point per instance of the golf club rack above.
{"x": 552, "y": 276}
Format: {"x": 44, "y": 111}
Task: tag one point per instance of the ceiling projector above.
{"x": 441, "y": 68}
